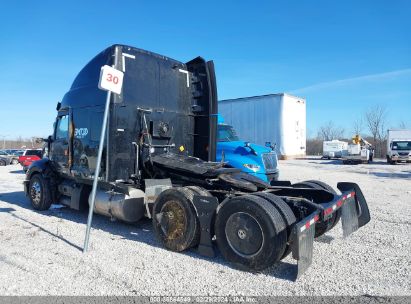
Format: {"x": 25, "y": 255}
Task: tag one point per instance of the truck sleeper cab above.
{"x": 159, "y": 162}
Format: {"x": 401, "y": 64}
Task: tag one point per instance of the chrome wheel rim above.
{"x": 35, "y": 192}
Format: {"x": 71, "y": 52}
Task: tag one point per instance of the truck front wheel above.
{"x": 39, "y": 192}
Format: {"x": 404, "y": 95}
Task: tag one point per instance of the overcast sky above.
{"x": 342, "y": 56}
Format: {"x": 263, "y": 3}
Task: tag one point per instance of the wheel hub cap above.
{"x": 172, "y": 220}
{"x": 35, "y": 192}
{"x": 244, "y": 234}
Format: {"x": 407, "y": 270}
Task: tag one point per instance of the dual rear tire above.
{"x": 251, "y": 230}
{"x": 322, "y": 227}
{"x": 175, "y": 221}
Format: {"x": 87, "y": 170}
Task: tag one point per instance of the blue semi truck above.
{"x": 254, "y": 159}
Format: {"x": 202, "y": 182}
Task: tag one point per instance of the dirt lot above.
{"x": 40, "y": 252}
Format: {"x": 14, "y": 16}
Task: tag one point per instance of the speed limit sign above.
{"x": 110, "y": 79}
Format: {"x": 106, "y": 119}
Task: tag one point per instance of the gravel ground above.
{"x": 40, "y": 252}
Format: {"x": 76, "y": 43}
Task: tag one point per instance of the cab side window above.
{"x": 62, "y": 127}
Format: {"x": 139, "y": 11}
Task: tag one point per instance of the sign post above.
{"x": 111, "y": 80}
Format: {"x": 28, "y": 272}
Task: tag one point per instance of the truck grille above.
{"x": 270, "y": 161}
{"x": 403, "y": 153}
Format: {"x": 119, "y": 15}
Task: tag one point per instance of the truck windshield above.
{"x": 226, "y": 133}
{"x": 401, "y": 145}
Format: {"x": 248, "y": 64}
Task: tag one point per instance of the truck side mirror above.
{"x": 39, "y": 140}
{"x": 269, "y": 145}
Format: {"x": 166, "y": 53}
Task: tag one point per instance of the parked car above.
{"x": 13, "y": 159}
{"x": 29, "y": 156}
{"x": 4, "y": 161}
{"x": 16, "y": 152}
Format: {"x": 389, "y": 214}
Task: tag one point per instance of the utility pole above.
{"x": 113, "y": 85}
{"x": 4, "y": 140}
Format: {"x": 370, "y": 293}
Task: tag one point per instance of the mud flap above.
{"x": 205, "y": 207}
{"x": 361, "y": 204}
{"x": 303, "y": 242}
{"x": 349, "y": 217}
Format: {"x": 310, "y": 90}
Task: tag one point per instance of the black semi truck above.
{"x": 159, "y": 162}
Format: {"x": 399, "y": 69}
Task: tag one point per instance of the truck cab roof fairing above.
{"x": 84, "y": 90}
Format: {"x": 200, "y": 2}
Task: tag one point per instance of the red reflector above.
{"x": 339, "y": 203}
{"x": 328, "y": 211}
{"x": 316, "y": 218}
{"x": 307, "y": 225}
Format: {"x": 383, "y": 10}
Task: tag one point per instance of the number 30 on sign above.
{"x": 111, "y": 79}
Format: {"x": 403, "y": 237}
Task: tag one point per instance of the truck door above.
{"x": 60, "y": 145}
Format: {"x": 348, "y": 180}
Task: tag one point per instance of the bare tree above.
{"x": 19, "y": 141}
{"x": 358, "y": 125}
{"x": 403, "y": 125}
{"x": 376, "y": 119}
{"x": 330, "y": 132}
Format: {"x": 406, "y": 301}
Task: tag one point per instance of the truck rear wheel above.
{"x": 175, "y": 220}
{"x": 285, "y": 211}
{"x": 329, "y": 189}
{"x": 198, "y": 190}
{"x": 202, "y": 192}
{"x": 40, "y": 192}
{"x": 250, "y": 232}
{"x": 321, "y": 227}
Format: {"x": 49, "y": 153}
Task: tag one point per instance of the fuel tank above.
{"x": 128, "y": 208}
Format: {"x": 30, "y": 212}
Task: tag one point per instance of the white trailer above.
{"x": 334, "y": 148}
{"x": 276, "y": 118}
{"x": 398, "y": 145}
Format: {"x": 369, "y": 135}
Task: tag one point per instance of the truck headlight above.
{"x": 252, "y": 167}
